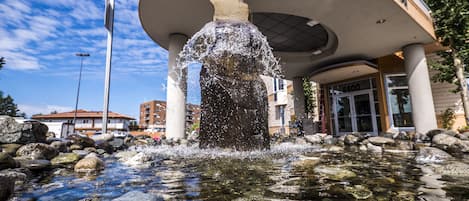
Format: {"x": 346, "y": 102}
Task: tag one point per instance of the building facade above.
{"x": 88, "y": 121}
{"x": 153, "y": 115}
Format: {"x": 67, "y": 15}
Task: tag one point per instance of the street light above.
{"x": 81, "y": 55}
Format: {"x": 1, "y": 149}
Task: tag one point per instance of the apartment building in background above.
{"x": 153, "y": 115}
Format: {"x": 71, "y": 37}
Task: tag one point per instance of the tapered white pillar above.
{"x": 176, "y": 90}
{"x": 299, "y": 98}
{"x": 423, "y": 110}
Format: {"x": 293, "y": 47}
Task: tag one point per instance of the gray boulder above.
{"x": 82, "y": 141}
{"x": 59, "y": 146}
{"x": 138, "y": 195}
{"x": 453, "y": 169}
{"x": 373, "y": 148}
{"x": 37, "y": 151}
{"x": 90, "y": 163}
{"x": 313, "y": 139}
{"x": 117, "y": 143}
{"x": 432, "y": 155}
{"x": 12, "y": 132}
{"x": 449, "y": 143}
{"x": 351, "y": 139}
{"x": 107, "y": 146}
{"x": 435, "y": 132}
{"x": 378, "y": 141}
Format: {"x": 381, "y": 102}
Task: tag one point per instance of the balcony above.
{"x": 420, "y": 12}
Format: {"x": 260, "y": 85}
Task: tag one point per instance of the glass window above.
{"x": 280, "y": 84}
{"x": 399, "y": 101}
{"x": 280, "y": 113}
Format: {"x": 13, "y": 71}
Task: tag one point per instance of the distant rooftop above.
{"x": 81, "y": 114}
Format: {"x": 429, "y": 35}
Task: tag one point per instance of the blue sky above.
{"x": 39, "y": 39}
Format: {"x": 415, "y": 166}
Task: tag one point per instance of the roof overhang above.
{"x": 343, "y": 71}
{"x": 356, "y": 24}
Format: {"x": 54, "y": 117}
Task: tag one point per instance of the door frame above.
{"x": 353, "y": 114}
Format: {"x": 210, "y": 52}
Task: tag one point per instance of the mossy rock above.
{"x": 65, "y": 158}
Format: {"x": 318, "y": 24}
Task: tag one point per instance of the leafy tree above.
{"x": 310, "y": 98}
{"x": 8, "y": 106}
{"x": 452, "y": 28}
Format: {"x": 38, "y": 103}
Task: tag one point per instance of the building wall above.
{"x": 285, "y": 99}
{"x": 443, "y": 99}
{"x": 152, "y": 113}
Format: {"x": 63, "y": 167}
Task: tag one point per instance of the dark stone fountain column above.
{"x": 234, "y": 108}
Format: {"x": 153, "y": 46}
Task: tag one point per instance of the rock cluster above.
{"x": 25, "y": 148}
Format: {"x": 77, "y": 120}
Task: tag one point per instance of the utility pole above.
{"x": 81, "y": 55}
{"x": 109, "y": 24}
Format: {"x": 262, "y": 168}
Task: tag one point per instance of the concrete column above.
{"x": 423, "y": 109}
{"x": 176, "y": 90}
{"x": 299, "y": 98}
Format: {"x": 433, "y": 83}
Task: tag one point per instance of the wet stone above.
{"x": 378, "y": 141}
{"x": 89, "y": 164}
{"x": 34, "y": 164}
{"x": 334, "y": 173}
{"x": 313, "y": 139}
{"x": 432, "y": 155}
{"x": 359, "y": 192}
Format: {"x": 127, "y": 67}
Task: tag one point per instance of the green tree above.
{"x": 452, "y": 28}
{"x": 310, "y": 98}
{"x": 8, "y": 106}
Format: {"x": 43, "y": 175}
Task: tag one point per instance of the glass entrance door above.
{"x": 354, "y": 112}
{"x": 344, "y": 114}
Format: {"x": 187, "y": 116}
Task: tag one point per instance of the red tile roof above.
{"x": 81, "y": 114}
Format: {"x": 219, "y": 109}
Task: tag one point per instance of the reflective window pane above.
{"x": 401, "y": 108}
{"x": 397, "y": 81}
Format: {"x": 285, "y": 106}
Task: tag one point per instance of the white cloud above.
{"x": 20, "y": 61}
{"x": 42, "y": 109}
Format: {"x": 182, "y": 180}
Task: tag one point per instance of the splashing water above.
{"x": 220, "y": 40}
{"x": 234, "y": 98}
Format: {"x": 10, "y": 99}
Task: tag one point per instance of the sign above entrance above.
{"x": 351, "y": 86}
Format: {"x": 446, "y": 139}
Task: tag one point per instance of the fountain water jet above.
{"x": 233, "y": 54}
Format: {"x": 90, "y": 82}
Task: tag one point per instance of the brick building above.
{"x": 153, "y": 115}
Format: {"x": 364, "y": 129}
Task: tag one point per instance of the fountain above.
{"x": 233, "y": 54}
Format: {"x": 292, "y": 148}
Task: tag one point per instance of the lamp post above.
{"x": 109, "y": 24}
{"x": 81, "y": 55}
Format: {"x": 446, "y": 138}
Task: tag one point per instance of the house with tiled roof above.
{"x": 89, "y": 121}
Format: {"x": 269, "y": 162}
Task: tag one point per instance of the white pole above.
{"x": 109, "y": 24}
